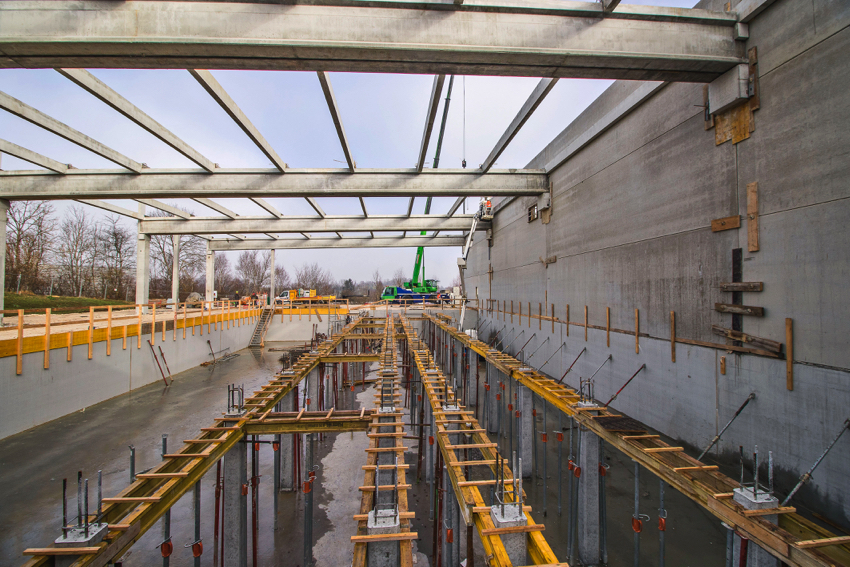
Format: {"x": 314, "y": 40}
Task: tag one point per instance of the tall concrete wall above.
{"x": 630, "y": 228}
{"x": 38, "y": 396}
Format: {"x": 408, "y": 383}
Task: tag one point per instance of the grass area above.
{"x": 15, "y": 301}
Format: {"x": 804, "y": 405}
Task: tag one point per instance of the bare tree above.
{"x": 191, "y": 261}
{"x": 378, "y": 284}
{"x": 223, "y": 279}
{"x": 76, "y": 253}
{"x": 117, "y": 256}
{"x": 312, "y": 276}
{"x": 253, "y": 271}
{"x": 399, "y": 278}
{"x": 29, "y": 239}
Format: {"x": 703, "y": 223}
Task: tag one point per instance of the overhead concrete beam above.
{"x": 248, "y": 225}
{"x": 216, "y": 207}
{"x": 267, "y": 206}
{"x": 88, "y": 184}
{"x": 111, "y": 208}
{"x": 543, "y": 88}
{"x": 455, "y": 206}
{"x": 32, "y": 157}
{"x": 632, "y": 101}
{"x": 103, "y": 92}
{"x": 165, "y": 207}
{"x": 343, "y": 242}
{"x": 481, "y": 37}
{"x": 336, "y": 116}
{"x": 215, "y": 90}
{"x": 50, "y": 124}
{"x": 312, "y": 202}
{"x": 430, "y": 117}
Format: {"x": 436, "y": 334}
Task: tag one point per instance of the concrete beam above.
{"x": 254, "y": 225}
{"x": 267, "y": 206}
{"x": 99, "y": 89}
{"x": 312, "y": 202}
{"x": 480, "y": 37}
{"x": 218, "y": 93}
{"x": 87, "y": 184}
{"x": 32, "y": 157}
{"x": 344, "y": 242}
{"x": 455, "y": 206}
{"x": 216, "y": 207}
{"x": 635, "y": 99}
{"x": 325, "y": 81}
{"x": 50, "y": 124}
{"x": 430, "y": 117}
{"x": 111, "y": 208}
{"x": 534, "y": 99}
{"x": 609, "y": 6}
{"x": 165, "y": 207}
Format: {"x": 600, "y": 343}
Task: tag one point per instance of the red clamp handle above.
{"x": 662, "y": 524}
{"x": 197, "y": 549}
{"x": 637, "y": 525}
{"x": 166, "y": 549}
{"x": 577, "y": 472}
{"x": 559, "y": 436}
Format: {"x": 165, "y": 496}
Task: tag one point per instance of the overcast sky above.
{"x": 383, "y": 116}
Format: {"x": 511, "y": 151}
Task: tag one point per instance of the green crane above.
{"x": 419, "y": 284}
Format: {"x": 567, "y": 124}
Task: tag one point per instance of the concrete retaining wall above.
{"x": 630, "y": 228}
{"x": 38, "y": 396}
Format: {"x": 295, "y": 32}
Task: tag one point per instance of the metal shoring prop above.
{"x": 496, "y": 336}
{"x": 662, "y": 524}
{"x": 571, "y": 365}
{"x": 515, "y": 338}
{"x": 559, "y": 435}
{"x": 132, "y": 464}
{"x": 808, "y": 474}
{"x": 614, "y": 397}
{"x": 538, "y": 348}
{"x": 65, "y": 507}
{"x": 166, "y": 518}
{"x": 544, "y": 439}
{"x": 603, "y": 504}
{"x": 589, "y": 381}
{"x": 525, "y": 345}
{"x": 553, "y": 355}
{"x": 570, "y": 467}
{"x": 750, "y": 398}
{"x": 534, "y": 453}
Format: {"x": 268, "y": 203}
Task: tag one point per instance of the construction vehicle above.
{"x": 304, "y": 296}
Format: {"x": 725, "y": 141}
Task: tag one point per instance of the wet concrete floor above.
{"x": 33, "y": 463}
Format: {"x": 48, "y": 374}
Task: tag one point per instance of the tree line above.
{"x": 80, "y": 254}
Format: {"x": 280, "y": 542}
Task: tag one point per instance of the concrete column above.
{"x": 492, "y": 403}
{"x": 4, "y": 207}
{"x": 524, "y": 428}
{"x": 271, "y": 281}
{"x": 143, "y": 269}
{"x": 210, "y": 272}
{"x": 756, "y": 556}
{"x": 287, "y": 481}
{"x": 588, "y": 498}
{"x": 235, "y": 515}
{"x": 516, "y": 545}
{"x": 175, "y": 269}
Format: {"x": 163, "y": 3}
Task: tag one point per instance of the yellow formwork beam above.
{"x": 227, "y": 431}
{"x": 469, "y": 497}
{"x": 701, "y": 485}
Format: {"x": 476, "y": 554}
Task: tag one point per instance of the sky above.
{"x": 383, "y": 116}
